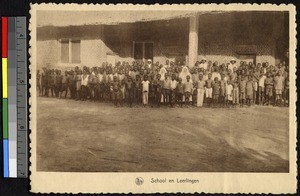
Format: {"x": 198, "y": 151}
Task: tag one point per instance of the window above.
{"x": 70, "y": 51}
{"x": 64, "y": 51}
{"x": 75, "y": 51}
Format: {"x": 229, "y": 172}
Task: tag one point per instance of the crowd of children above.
{"x": 205, "y": 84}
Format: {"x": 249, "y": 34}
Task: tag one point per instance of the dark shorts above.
{"x": 63, "y": 87}
{"x": 269, "y": 92}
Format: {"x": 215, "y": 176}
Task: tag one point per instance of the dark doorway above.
{"x": 143, "y": 50}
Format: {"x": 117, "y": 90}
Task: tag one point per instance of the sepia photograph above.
{"x": 162, "y": 90}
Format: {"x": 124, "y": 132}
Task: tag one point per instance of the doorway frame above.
{"x": 143, "y": 42}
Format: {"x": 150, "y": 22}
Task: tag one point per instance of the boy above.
{"x": 188, "y": 88}
{"x": 229, "y": 93}
{"x": 166, "y": 89}
{"x": 64, "y": 86}
{"x": 208, "y": 89}
{"x": 286, "y": 91}
{"x": 278, "y": 85}
{"x": 52, "y": 76}
{"x": 249, "y": 90}
{"x": 242, "y": 90}
{"x": 84, "y": 85}
{"x": 216, "y": 91}
{"x": 72, "y": 84}
{"x": 138, "y": 89}
{"x": 200, "y": 91}
{"x": 261, "y": 88}
{"x": 180, "y": 91}
{"x": 152, "y": 84}
{"x": 129, "y": 90}
{"x": 269, "y": 88}
{"x": 222, "y": 89}
{"x": 145, "y": 85}
{"x": 173, "y": 85}
{"x": 115, "y": 91}
{"x": 159, "y": 88}
{"x": 235, "y": 95}
{"x": 101, "y": 84}
{"x": 58, "y": 82}
{"x": 78, "y": 84}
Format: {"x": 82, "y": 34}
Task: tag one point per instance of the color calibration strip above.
{"x": 5, "y": 96}
{"x": 14, "y": 99}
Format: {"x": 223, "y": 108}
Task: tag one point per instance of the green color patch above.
{"x": 5, "y": 118}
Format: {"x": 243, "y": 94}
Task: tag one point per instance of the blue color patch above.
{"x": 5, "y": 158}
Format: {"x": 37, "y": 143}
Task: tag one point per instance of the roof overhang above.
{"x": 80, "y": 18}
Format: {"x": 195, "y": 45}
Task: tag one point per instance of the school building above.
{"x": 175, "y": 36}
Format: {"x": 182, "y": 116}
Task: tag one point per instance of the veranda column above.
{"x": 193, "y": 40}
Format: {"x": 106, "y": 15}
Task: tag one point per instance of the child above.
{"x": 242, "y": 90}
{"x": 222, "y": 89}
{"x": 229, "y": 93}
{"x": 173, "y": 85}
{"x": 200, "y": 91}
{"x": 194, "y": 92}
{"x": 249, "y": 90}
{"x": 64, "y": 87}
{"x": 78, "y": 84}
{"x": 235, "y": 95}
{"x": 84, "y": 85}
{"x": 152, "y": 84}
{"x": 269, "y": 88}
{"x": 216, "y": 90}
{"x": 278, "y": 85}
{"x": 57, "y": 82}
{"x": 138, "y": 89}
{"x": 286, "y": 91}
{"x": 188, "y": 88}
{"x": 261, "y": 88}
{"x": 166, "y": 89}
{"x": 256, "y": 76}
{"x": 129, "y": 90}
{"x": 115, "y": 91}
{"x": 180, "y": 92}
{"x": 72, "y": 84}
{"x": 52, "y": 76}
{"x": 101, "y": 84}
{"x": 122, "y": 96}
{"x": 159, "y": 88}
{"x": 208, "y": 89}
{"x": 145, "y": 88}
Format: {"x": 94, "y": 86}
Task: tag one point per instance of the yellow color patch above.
{"x": 4, "y": 78}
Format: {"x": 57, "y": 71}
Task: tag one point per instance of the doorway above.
{"x": 143, "y": 50}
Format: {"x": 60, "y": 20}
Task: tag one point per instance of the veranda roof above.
{"x": 78, "y": 18}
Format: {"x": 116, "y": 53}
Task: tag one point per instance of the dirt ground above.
{"x": 87, "y": 136}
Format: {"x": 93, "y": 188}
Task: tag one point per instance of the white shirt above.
{"x": 100, "y": 78}
{"x": 229, "y": 89}
{"x": 145, "y": 85}
{"x": 203, "y": 65}
{"x": 261, "y": 81}
{"x": 84, "y": 80}
{"x": 173, "y": 84}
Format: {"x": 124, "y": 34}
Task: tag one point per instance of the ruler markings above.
{"x": 22, "y": 169}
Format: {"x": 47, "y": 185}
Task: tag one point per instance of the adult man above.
{"x": 232, "y": 65}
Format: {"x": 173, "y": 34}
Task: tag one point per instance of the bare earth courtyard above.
{"x": 76, "y": 136}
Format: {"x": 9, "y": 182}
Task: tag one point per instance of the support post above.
{"x": 193, "y": 40}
